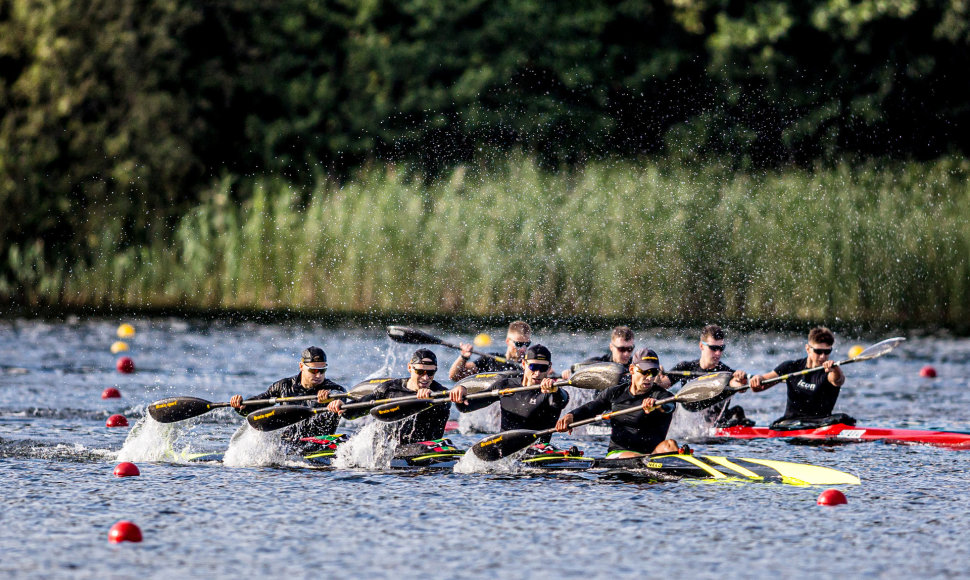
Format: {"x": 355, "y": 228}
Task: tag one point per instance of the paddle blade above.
{"x": 879, "y": 349}
{"x": 409, "y": 335}
{"x": 391, "y": 412}
{"x": 705, "y": 391}
{"x": 598, "y": 376}
{"x": 366, "y": 387}
{"x": 274, "y": 418}
{"x": 504, "y": 444}
{"x": 485, "y": 381}
{"x": 178, "y": 409}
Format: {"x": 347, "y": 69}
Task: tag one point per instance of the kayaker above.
{"x": 311, "y": 380}
{"x": 633, "y": 434}
{"x": 712, "y": 347}
{"x": 533, "y": 410}
{"x": 427, "y": 425}
{"x": 517, "y": 340}
{"x": 621, "y": 351}
{"x": 811, "y": 397}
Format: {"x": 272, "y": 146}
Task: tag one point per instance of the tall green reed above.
{"x": 857, "y": 242}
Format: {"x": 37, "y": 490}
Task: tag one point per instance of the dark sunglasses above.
{"x": 714, "y": 347}
{"x": 425, "y": 372}
{"x": 648, "y": 372}
{"x": 521, "y": 343}
{"x": 821, "y": 350}
{"x": 538, "y": 367}
{"x": 316, "y": 371}
{"x": 623, "y": 348}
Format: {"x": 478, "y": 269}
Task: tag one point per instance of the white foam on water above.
{"x": 469, "y": 463}
{"x": 251, "y": 448}
{"x": 372, "y": 447}
{"x": 150, "y": 440}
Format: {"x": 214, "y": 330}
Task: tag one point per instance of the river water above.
{"x": 266, "y": 515}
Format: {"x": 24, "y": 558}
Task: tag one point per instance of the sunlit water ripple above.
{"x": 60, "y": 497}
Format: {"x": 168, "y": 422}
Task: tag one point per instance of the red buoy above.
{"x": 111, "y": 393}
{"x": 832, "y": 497}
{"x": 116, "y": 421}
{"x": 927, "y": 372}
{"x": 124, "y": 531}
{"x": 126, "y": 469}
{"x": 125, "y": 365}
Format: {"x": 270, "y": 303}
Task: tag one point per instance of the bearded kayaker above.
{"x": 533, "y": 410}
{"x": 427, "y": 425}
{"x": 621, "y": 351}
{"x": 812, "y": 396}
{"x": 712, "y": 346}
{"x": 311, "y": 380}
{"x": 633, "y": 434}
{"x": 517, "y": 340}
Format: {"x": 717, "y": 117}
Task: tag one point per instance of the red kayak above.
{"x": 841, "y": 433}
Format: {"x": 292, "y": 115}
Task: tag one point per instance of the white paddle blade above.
{"x": 879, "y": 349}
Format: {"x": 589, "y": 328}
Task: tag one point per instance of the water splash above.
{"x": 370, "y": 448}
{"x": 469, "y": 463}
{"x": 689, "y": 426}
{"x": 251, "y": 448}
{"x": 150, "y": 440}
{"x": 487, "y": 420}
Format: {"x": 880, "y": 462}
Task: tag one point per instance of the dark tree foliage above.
{"x": 128, "y": 110}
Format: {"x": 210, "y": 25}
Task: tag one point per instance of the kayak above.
{"x": 442, "y": 454}
{"x": 842, "y": 433}
{"x": 675, "y": 466}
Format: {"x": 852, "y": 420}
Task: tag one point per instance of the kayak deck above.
{"x": 665, "y": 467}
{"x": 841, "y": 433}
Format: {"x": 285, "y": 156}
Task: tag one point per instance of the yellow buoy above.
{"x": 118, "y": 346}
{"x": 126, "y": 331}
{"x": 483, "y": 340}
{"x": 855, "y": 351}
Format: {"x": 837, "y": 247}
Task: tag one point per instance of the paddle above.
{"x": 597, "y": 376}
{"x": 275, "y": 418}
{"x": 508, "y": 442}
{"x": 181, "y": 408}
{"x": 874, "y": 351}
{"x": 407, "y": 335}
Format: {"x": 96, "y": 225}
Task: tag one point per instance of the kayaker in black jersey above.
{"x": 621, "y": 351}
{"x": 811, "y": 397}
{"x": 534, "y": 410}
{"x": 712, "y": 346}
{"x": 633, "y": 434}
{"x": 517, "y": 340}
{"x": 428, "y": 424}
{"x": 311, "y": 380}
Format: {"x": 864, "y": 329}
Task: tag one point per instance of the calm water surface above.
{"x": 260, "y": 518}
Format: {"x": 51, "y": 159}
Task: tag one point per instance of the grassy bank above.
{"x": 885, "y": 243}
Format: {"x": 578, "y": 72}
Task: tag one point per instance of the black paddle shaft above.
{"x": 407, "y": 335}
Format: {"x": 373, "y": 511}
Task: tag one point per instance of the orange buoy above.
{"x": 125, "y": 365}
{"x": 124, "y": 531}
{"x": 116, "y": 421}
{"x": 118, "y": 346}
{"x": 126, "y": 331}
{"x": 832, "y": 497}
{"x": 111, "y": 393}
{"x": 126, "y": 469}
{"x": 927, "y": 372}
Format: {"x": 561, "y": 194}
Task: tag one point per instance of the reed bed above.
{"x": 854, "y": 242}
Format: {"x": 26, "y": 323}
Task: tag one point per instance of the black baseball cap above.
{"x": 314, "y": 354}
{"x": 538, "y": 352}
{"x": 423, "y": 356}
{"x": 645, "y": 358}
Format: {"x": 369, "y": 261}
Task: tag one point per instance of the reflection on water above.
{"x": 273, "y": 515}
